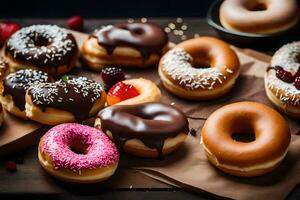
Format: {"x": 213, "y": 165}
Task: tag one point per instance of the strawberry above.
{"x": 297, "y": 83}
{"x": 75, "y": 23}
{"x": 120, "y": 92}
{"x": 284, "y": 75}
{"x": 11, "y": 166}
{"x": 112, "y": 75}
{"x": 6, "y": 30}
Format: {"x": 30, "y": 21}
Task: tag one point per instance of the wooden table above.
{"x": 31, "y": 181}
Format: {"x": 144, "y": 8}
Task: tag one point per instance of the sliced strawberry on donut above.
{"x": 6, "y": 30}
{"x": 284, "y": 75}
{"x": 297, "y": 83}
{"x": 120, "y": 92}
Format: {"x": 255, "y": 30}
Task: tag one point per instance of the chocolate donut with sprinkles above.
{"x": 199, "y": 69}
{"x": 45, "y": 47}
{"x": 70, "y": 99}
{"x": 13, "y": 89}
{"x": 282, "y": 79}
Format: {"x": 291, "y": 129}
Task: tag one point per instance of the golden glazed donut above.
{"x": 125, "y": 45}
{"x": 199, "y": 69}
{"x": 259, "y": 16}
{"x": 282, "y": 79}
{"x": 48, "y": 48}
{"x": 14, "y": 86}
{"x": 146, "y": 130}
{"x": 264, "y": 152}
{"x": 67, "y": 100}
{"x": 77, "y": 153}
{"x": 147, "y": 92}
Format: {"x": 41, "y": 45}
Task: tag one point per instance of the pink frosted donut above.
{"x": 78, "y": 153}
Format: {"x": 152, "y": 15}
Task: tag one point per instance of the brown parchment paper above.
{"x": 188, "y": 167}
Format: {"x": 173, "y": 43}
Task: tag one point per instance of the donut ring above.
{"x": 125, "y": 45}
{"x": 42, "y": 47}
{"x": 148, "y": 92}
{"x": 145, "y": 130}
{"x": 179, "y": 73}
{"x": 245, "y": 159}
{"x": 284, "y": 94}
{"x": 77, "y": 153}
{"x": 259, "y": 16}
{"x": 14, "y": 86}
{"x": 67, "y": 100}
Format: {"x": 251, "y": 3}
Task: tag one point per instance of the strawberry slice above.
{"x": 6, "y": 30}
{"x": 120, "y": 92}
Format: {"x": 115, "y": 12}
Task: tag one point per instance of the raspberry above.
{"x": 75, "y": 23}
{"x": 11, "y": 166}
{"x": 112, "y": 75}
{"x": 297, "y": 83}
{"x": 297, "y": 73}
{"x": 120, "y": 92}
{"x": 284, "y": 75}
{"x": 6, "y": 30}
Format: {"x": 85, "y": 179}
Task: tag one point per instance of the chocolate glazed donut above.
{"x": 152, "y": 123}
{"x": 147, "y": 38}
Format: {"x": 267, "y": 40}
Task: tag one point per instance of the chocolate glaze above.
{"x": 73, "y": 94}
{"x": 16, "y": 84}
{"x": 42, "y": 46}
{"x": 152, "y": 123}
{"x": 145, "y": 37}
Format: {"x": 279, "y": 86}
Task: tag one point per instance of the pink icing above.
{"x": 100, "y": 150}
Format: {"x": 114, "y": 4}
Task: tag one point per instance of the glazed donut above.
{"x": 282, "y": 79}
{"x": 4, "y": 68}
{"x": 259, "y": 16}
{"x": 43, "y": 47}
{"x": 147, "y": 91}
{"x": 78, "y": 153}
{"x": 146, "y": 130}
{"x": 199, "y": 69}
{"x": 13, "y": 89}
{"x": 125, "y": 45}
{"x": 67, "y": 100}
{"x": 263, "y": 153}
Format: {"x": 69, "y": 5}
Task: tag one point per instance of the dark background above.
{"x": 103, "y": 8}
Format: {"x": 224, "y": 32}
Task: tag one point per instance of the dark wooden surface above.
{"x": 29, "y": 181}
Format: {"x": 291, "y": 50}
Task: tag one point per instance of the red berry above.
{"x": 75, "y": 23}
{"x": 112, "y": 75}
{"x": 7, "y": 29}
{"x": 297, "y": 73}
{"x": 120, "y": 92}
{"x": 11, "y": 166}
{"x": 297, "y": 83}
{"x": 284, "y": 75}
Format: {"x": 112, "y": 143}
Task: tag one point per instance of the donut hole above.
{"x": 245, "y": 137}
{"x": 259, "y": 6}
{"x": 138, "y": 31}
{"x": 201, "y": 63}
{"x": 78, "y": 147}
{"x": 41, "y": 41}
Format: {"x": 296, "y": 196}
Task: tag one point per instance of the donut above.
{"x": 245, "y": 139}
{"x": 1, "y": 115}
{"x": 43, "y": 47}
{"x": 199, "y": 69}
{"x": 126, "y": 45}
{"x": 146, "y": 130}
{"x": 4, "y": 68}
{"x": 13, "y": 89}
{"x": 67, "y": 100}
{"x": 259, "y": 16}
{"x": 77, "y": 153}
{"x": 282, "y": 79}
{"x": 133, "y": 91}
